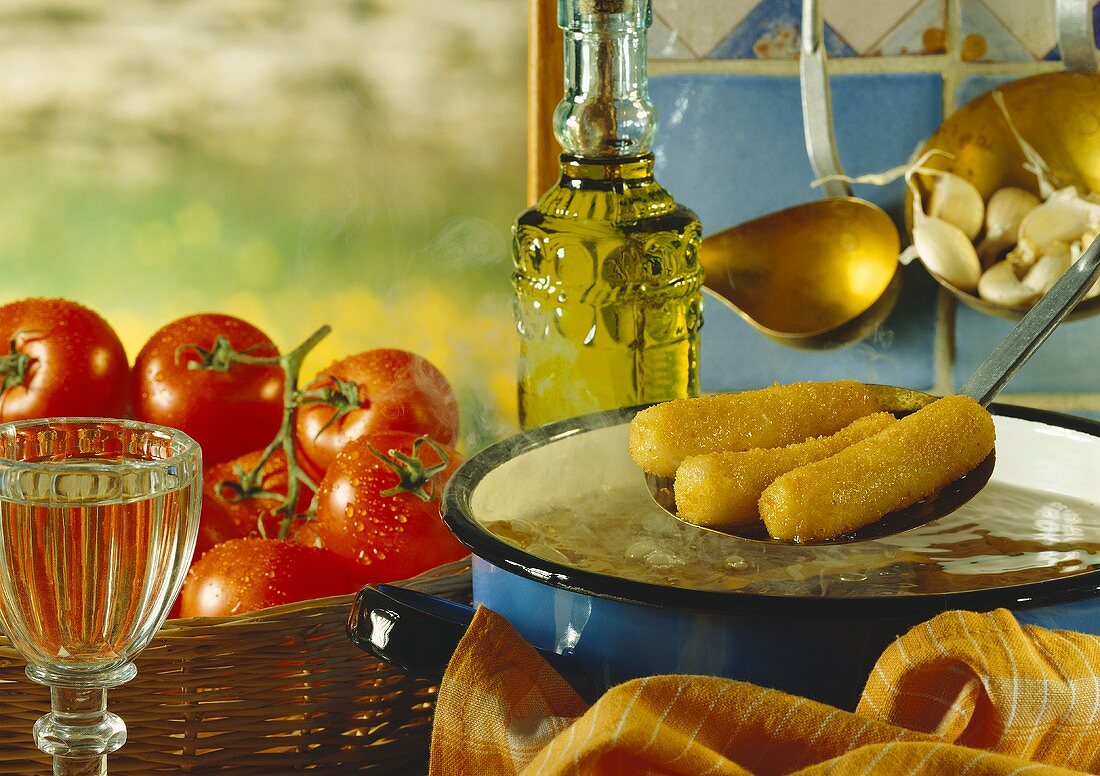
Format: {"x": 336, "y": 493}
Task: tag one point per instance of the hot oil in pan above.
{"x": 1005, "y": 536}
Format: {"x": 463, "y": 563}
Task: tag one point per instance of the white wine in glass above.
{"x": 98, "y": 521}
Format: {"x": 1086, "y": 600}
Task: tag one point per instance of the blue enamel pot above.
{"x": 629, "y": 595}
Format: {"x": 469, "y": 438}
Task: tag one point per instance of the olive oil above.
{"x": 606, "y": 272}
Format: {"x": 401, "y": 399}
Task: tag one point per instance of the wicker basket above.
{"x": 272, "y": 692}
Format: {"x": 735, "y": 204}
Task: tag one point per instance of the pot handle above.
{"x": 414, "y": 631}
{"x": 418, "y": 633}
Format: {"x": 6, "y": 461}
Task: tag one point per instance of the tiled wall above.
{"x": 730, "y": 145}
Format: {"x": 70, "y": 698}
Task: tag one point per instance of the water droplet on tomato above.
{"x": 159, "y": 377}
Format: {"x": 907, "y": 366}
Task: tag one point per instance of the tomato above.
{"x": 229, "y": 409}
{"x": 225, "y": 517}
{"x": 243, "y": 575}
{"x": 394, "y": 534}
{"x": 63, "y": 359}
{"x": 397, "y": 390}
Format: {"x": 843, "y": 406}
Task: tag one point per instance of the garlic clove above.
{"x": 1000, "y": 285}
{"x": 946, "y": 251}
{"x": 1046, "y": 271}
{"x": 1061, "y": 219}
{"x": 957, "y": 201}
{"x": 1004, "y": 212}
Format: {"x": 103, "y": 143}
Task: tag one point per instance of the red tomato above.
{"x": 224, "y": 517}
{"x": 243, "y": 575}
{"x": 63, "y": 359}
{"x": 397, "y": 390}
{"x": 228, "y": 411}
{"x": 396, "y": 535}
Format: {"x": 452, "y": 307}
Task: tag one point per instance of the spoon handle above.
{"x": 1033, "y": 329}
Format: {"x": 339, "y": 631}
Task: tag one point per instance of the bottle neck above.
{"x": 606, "y": 111}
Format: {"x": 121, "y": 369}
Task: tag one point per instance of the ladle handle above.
{"x": 1033, "y": 329}
{"x": 1076, "y": 36}
{"x": 817, "y": 104}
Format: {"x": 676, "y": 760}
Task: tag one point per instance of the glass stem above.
{"x": 79, "y": 732}
{"x": 80, "y": 766}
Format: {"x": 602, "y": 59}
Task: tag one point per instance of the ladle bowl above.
{"x": 814, "y": 276}
{"x": 1058, "y": 114}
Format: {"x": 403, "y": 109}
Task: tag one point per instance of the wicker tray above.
{"x": 276, "y": 691}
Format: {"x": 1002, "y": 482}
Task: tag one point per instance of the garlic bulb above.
{"x": 1046, "y": 271}
{"x": 1000, "y": 285}
{"x": 957, "y": 201}
{"x": 1003, "y": 214}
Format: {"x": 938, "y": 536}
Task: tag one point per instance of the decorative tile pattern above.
{"x": 923, "y": 31}
{"x": 1012, "y": 30}
{"x": 987, "y": 37}
{"x": 667, "y": 42}
{"x": 771, "y": 29}
{"x": 699, "y": 25}
{"x": 874, "y": 28}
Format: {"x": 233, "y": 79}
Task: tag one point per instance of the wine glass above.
{"x": 98, "y": 521}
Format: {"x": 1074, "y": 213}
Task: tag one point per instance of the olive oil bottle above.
{"x": 607, "y": 278}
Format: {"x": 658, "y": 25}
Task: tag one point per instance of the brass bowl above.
{"x": 1058, "y": 114}
{"x": 818, "y": 275}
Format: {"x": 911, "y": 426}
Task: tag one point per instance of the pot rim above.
{"x": 456, "y": 514}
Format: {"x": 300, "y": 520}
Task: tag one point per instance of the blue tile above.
{"x": 976, "y": 85}
{"x": 1067, "y": 362}
{"x": 772, "y": 30}
{"x": 731, "y": 146}
{"x": 900, "y": 352}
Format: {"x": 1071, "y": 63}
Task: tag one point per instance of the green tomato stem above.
{"x": 14, "y": 365}
{"x": 291, "y": 364}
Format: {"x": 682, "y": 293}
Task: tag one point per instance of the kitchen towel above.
{"x": 962, "y": 694}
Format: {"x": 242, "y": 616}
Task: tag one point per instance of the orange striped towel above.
{"x": 963, "y": 694}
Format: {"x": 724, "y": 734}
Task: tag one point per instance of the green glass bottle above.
{"x": 607, "y": 278}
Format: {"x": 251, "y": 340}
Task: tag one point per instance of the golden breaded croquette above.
{"x": 720, "y": 490}
{"x": 897, "y": 467}
{"x": 664, "y": 435}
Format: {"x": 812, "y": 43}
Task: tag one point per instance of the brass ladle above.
{"x": 1057, "y": 113}
{"x": 986, "y": 382}
{"x": 821, "y": 274}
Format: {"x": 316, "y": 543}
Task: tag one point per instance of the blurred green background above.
{"x": 351, "y": 162}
